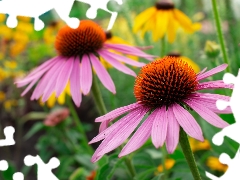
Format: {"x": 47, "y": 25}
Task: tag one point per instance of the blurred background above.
{"x": 23, "y": 48}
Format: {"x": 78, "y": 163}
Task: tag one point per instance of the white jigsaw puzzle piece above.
{"x": 8, "y": 132}
{"x": 101, "y": 4}
{"x": 35, "y": 8}
{"x": 3, "y": 165}
{"x": 18, "y": 176}
{"x": 44, "y": 170}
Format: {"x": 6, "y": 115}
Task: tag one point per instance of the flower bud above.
{"x": 212, "y": 49}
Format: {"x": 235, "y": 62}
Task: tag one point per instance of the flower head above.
{"x": 163, "y": 19}
{"x": 56, "y": 117}
{"x": 78, "y": 52}
{"x": 165, "y": 88}
{"x": 214, "y": 164}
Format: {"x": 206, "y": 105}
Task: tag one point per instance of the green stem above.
{"x": 163, "y": 163}
{"x": 98, "y": 97}
{"x": 102, "y": 110}
{"x": 189, "y": 155}
{"x": 220, "y": 34}
{"x": 79, "y": 125}
{"x": 130, "y": 166}
{"x": 163, "y": 47}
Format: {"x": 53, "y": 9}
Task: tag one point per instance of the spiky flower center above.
{"x": 87, "y": 38}
{"x": 164, "y": 5}
{"x": 164, "y": 82}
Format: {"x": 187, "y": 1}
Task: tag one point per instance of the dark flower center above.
{"x": 164, "y": 82}
{"x": 87, "y": 38}
{"x": 164, "y": 5}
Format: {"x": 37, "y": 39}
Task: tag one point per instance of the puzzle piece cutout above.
{"x": 35, "y": 8}
{"x": 101, "y": 4}
{"x": 232, "y": 131}
{"x": 44, "y": 170}
{"x": 8, "y": 132}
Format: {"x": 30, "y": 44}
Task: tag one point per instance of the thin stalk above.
{"x": 102, "y": 110}
{"x": 163, "y": 47}
{"x": 164, "y": 154}
{"x": 220, "y": 34}
{"x": 189, "y": 155}
{"x": 79, "y": 125}
{"x": 97, "y": 96}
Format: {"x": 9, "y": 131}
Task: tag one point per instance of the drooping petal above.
{"x": 207, "y": 114}
{"x": 29, "y": 87}
{"x": 64, "y": 75}
{"x": 214, "y": 85}
{"x": 39, "y": 90}
{"x": 102, "y": 74}
{"x": 119, "y": 123}
{"x": 126, "y": 49}
{"x": 117, "y": 112}
{"x": 187, "y": 122}
{"x": 50, "y": 88}
{"x": 172, "y": 28}
{"x": 86, "y": 75}
{"x": 201, "y": 72}
{"x": 120, "y": 134}
{"x": 125, "y": 59}
{"x": 162, "y": 21}
{"x": 75, "y": 83}
{"x": 211, "y": 104}
{"x": 139, "y": 137}
{"x": 211, "y": 96}
{"x": 142, "y": 18}
{"x": 103, "y": 126}
{"x": 183, "y": 20}
{"x": 211, "y": 72}
{"x": 159, "y": 127}
{"x": 173, "y": 130}
{"x": 116, "y": 64}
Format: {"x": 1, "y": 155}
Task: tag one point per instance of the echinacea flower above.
{"x": 163, "y": 19}
{"x": 79, "y": 50}
{"x": 190, "y": 62}
{"x": 165, "y": 88}
{"x": 57, "y": 116}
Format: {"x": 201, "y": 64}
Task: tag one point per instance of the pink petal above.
{"x": 117, "y": 124}
{"x": 50, "y": 88}
{"x": 64, "y": 75}
{"x": 172, "y": 132}
{"x": 86, "y": 75}
{"x": 103, "y": 126}
{"x": 212, "y": 96}
{"x": 117, "y": 112}
{"x": 187, "y": 122}
{"x": 159, "y": 128}
{"x": 116, "y": 64}
{"x": 129, "y": 50}
{"x": 38, "y": 91}
{"x": 207, "y": 114}
{"x": 214, "y": 85}
{"x": 211, "y": 104}
{"x": 75, "y": 83}
{"x": 202, "y": 71}
{"x": 125, "y": 59}
{"x": 120, "y": 134}
{"x": 29, "y": 87}
{"x": 139, "y": 137}
{"x": 212, "y": 72}
{"x": 102, "y": 74}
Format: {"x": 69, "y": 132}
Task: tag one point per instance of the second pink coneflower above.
{"x": 166, "y": 89}
{"x": 79, "y": 50}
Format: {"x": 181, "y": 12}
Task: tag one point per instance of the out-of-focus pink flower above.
{"x": 56, "y": 117}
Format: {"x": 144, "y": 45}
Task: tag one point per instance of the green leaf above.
{"x": 37, "y": 127}
{"x": 146, "y": 174}
{"x": 34, "y": 116}
{"x": 78, "y": 174}
{"x": 85, "y": 160}
{"x": 106, "y": 172}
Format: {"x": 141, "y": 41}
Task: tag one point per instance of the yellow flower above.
{"x": 2, "y": 96}
{"x": 9, "y": 104}
{"x": 169, "y": 163}
{"x": 195, "y": 67}
{"x": 2, "y": 18}
{"x": 163, "y": 19}
{"x": 17, "y": 48}
{"x": 25, "y": 27}
{"x": 5, "y": 32}
{"x": 198, "y": 146}
{"x": 61, "y": 99}
{"x": 214, "y": 164}
{"x": 50, "y": 32}
{"x": 24, "y": 18}
{"x": 10, "y": 64}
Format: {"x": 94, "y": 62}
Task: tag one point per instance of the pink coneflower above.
{"x": 78, "y": 50}
{"x": 56, "y": 117}
{"x": 165, "y": 89}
